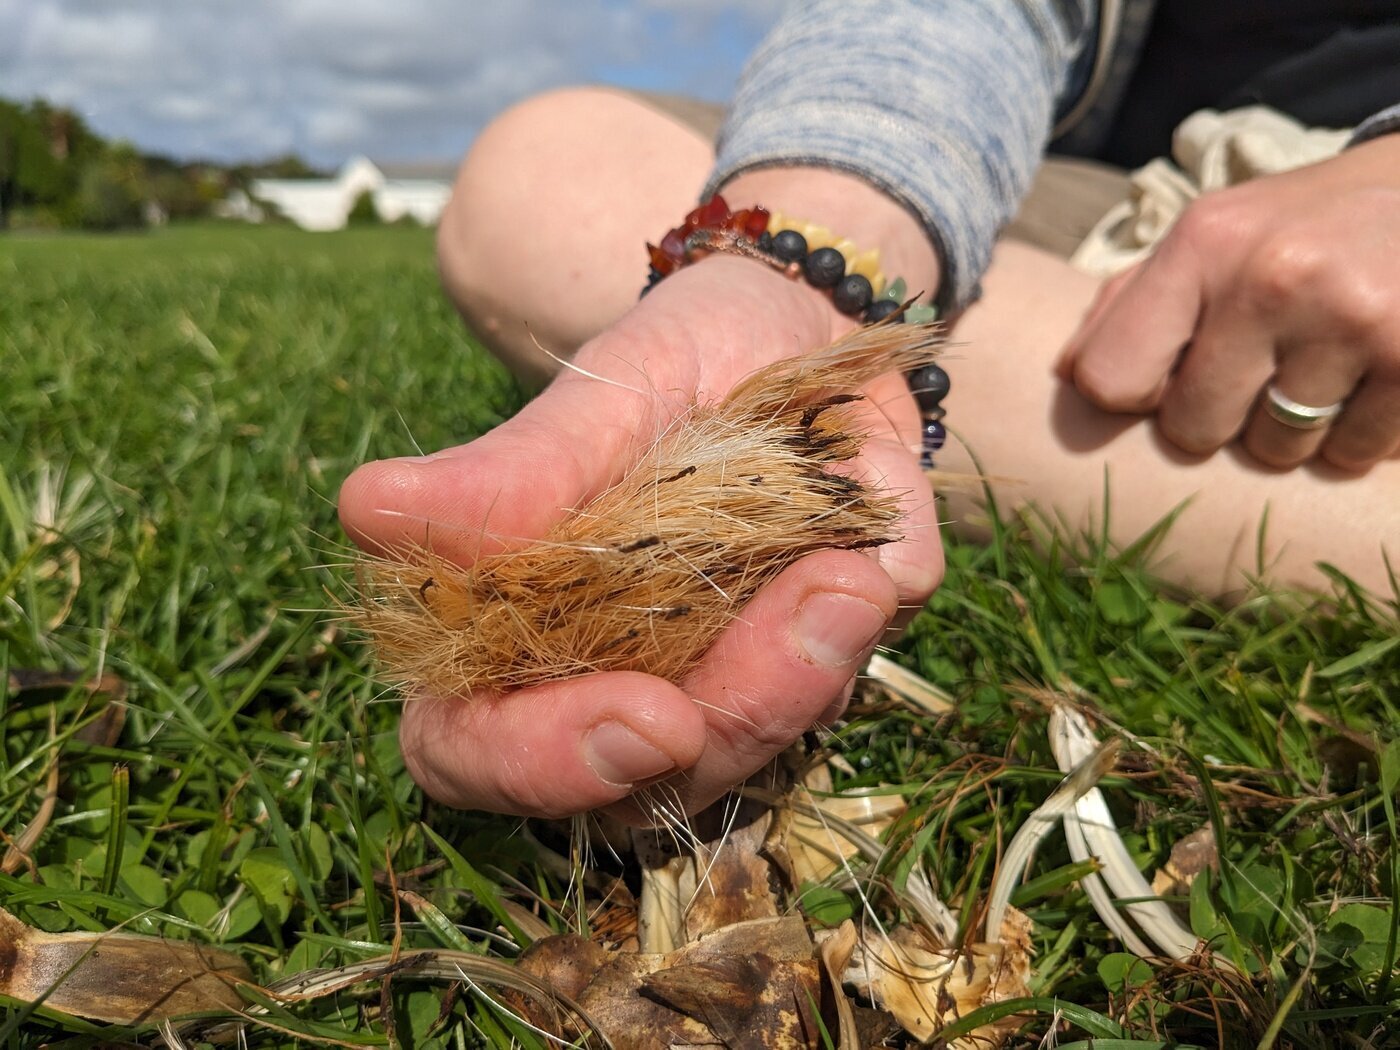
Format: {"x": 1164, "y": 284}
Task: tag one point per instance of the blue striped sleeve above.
{"x": 944, "y": 104}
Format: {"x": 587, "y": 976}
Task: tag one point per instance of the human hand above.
{"x": 565, "y": 747}
{"x": 1291, "y": 280}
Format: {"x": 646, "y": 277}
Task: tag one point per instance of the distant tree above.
{"x": 44, "y": 150}
{"x": 179, "y": 194}
{"x": 111, "y": 193}
{"x": 363, "y": 212}
{"x": 42, "y": 177}
{"x": 288, "y": 166}
{"x": 54, "y": 170}
{"x": 11, "y": 117}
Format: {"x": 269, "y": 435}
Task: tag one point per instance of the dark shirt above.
{"x": 1329, "y": 63}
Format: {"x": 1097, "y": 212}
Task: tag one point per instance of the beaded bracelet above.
{"x": 797, "y": 249}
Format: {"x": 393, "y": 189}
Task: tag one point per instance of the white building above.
{"x": 324, "y": 204}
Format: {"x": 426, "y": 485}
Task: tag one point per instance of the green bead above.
{"x": 919, "y": 314}
{"x": 895, "y": 290}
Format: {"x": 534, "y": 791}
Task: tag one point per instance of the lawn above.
{"x": 177, "y": 410}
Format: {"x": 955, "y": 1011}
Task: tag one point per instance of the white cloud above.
{"x": 392, "y": 78}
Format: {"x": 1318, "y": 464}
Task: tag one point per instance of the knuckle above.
{"x": 1211, "y": 222}
{"x": 444, "y": 757}
{"x": 419, "y": 733}
{"x": 757, "y": 728}
{"x": 1348, "y": 462}
{"x": 1105, "y": 385}
{"x": 1193, "y": 440}
{"x": 1282, "y": 271}
{"x": 1273, "y": 455}
{"x": 1362, "y": 307}
{"x": 517, "y": 787}
{"x": 1352, "y": 457}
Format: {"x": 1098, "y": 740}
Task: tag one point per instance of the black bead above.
{"x": 852, "y": 293}
{"x": 880, "y": 309}
{"x": 765, "y": 241}
{"x": 930, "y": 385}
{"x": 790, "y": 246}
{"x": 825, "y": 267}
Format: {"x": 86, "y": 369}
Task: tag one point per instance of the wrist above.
{"x": 763, "y": 246}
{"x": 709, "y": 324}
{"x": 852, "y": 208}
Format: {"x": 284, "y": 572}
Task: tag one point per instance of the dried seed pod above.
{"x": 646, "y": 575}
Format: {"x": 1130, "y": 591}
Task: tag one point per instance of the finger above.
{"x": 1316, "y": 375}
{"x": 1368, "y": 430}
{"x": 1107, "y": 291}
{"x": 1208, "y": 400}
{"x": 889, "y": 462}
{"x": 915, "y": 561}
{"x": 1123, "y": 360}
{"x": 553, "y": 750}
{"x": 778, "y": 667}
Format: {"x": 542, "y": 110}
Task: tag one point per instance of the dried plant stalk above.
{"x": 646, "y": 575}
{"x": 125, "y": 978}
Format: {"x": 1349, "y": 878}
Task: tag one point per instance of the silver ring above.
{"x": 1298, "y": 416}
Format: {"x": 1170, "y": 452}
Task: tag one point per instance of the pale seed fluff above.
{"x": 646, "y": 575}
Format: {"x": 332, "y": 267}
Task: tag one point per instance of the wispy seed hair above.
{"x": 646, "y": 575}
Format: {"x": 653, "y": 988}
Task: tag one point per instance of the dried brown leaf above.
{"x": 125, "y": 978}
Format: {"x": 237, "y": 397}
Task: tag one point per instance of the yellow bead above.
{"x": 868, "y": 265}
{"x": 817, "y": 237}
{"x": 776, "y": 222}
{"x": 865, "y": 263}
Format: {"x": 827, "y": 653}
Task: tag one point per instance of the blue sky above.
{"x": 395, "y": 79}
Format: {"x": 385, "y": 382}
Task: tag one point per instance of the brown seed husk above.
{"x": 646, "y": 575}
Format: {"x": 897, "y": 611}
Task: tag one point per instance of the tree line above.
{"x": 56, "y": 172}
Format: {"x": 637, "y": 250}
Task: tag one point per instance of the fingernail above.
{"x": 619, "y": 756}
{"x": 835, "y": 629}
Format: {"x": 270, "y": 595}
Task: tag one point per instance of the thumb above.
{"x": 784, "y": 661}
{"x": 579, "y": 435}
{"x": 512, "y": 483}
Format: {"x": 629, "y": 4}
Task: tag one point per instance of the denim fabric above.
{"x": 946, "y": 105}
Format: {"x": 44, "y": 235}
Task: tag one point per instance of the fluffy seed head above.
{"x": 647, "y": 574}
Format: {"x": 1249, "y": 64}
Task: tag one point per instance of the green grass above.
{"x": 177, "y": 410}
